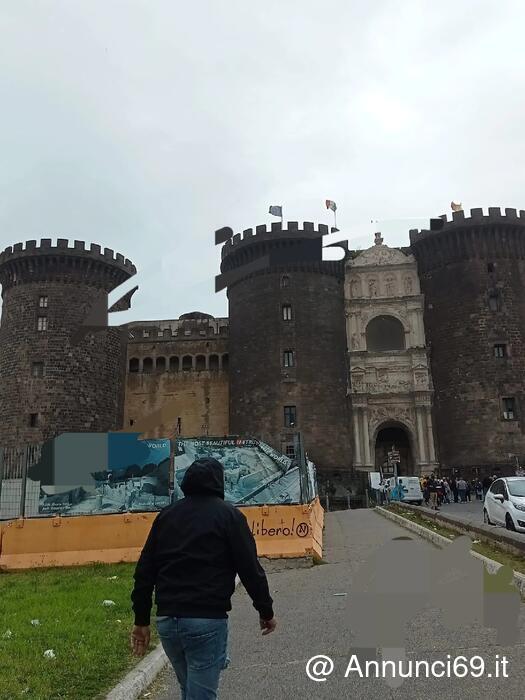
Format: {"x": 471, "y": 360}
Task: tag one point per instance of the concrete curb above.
{"x": 441, "y": 541}
{"x": 141, "y": 677}
{"x": 144, "y": 673}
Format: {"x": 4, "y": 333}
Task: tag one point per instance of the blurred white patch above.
{"x": 49, "y": 654}
{"x": 7, "y": 634}
{"x": 35, "y": 623}
{"x": 108, "y": 603}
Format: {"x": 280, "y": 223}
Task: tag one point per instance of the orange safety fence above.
{"x": 279, "y": 530}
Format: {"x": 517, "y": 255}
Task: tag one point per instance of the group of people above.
{"x": 437, "y": 490}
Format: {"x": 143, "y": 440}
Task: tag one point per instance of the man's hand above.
{"x": 268, "y": 626}
{"x": 140, "y": 638}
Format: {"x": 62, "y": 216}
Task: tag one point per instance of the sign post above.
{"x": 394, "y": 460}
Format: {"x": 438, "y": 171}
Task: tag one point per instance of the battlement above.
{"x": 64, "y": 247}
{"x": 446, "y": 222}
{"x": 275, "y": 231}
{"x": 492, "y": 235}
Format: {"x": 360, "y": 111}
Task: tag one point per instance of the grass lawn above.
{"x": 492, "y": 551}
{"x": 90, "y": 641}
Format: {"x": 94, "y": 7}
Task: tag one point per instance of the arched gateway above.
{"x": 389, "y": 380}
{"x": 391, "y": 435}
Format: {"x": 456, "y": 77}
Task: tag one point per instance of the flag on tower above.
{"x": 331, "y": 205}
{"x": 276, "y": 211}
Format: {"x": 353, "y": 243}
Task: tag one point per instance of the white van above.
{"x": 408, "y": 489}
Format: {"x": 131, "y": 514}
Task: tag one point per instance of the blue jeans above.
{"x": 197, "y": 650}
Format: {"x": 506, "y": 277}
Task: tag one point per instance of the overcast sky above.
{"x": 145, "y": 125}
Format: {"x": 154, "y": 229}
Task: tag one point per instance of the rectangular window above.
{"x": 290, "y": 451}
{"x": 33, "y": 420}
{"x": 287, "y": 312}
{"x": 509, "y": 409}
{"x": 42, "y": 323}
{"x": 37, "y": 369}
{"x": 145, "y": 334}
{"x": 494, "y": 301}
{"x": 500, "y": 350}
{"x": 288, "y": 359}
{"x": 42, "y": 302}
{"x": 290, "y": 416}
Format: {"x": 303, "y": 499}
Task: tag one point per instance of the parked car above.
{"x": 505, "y": 503}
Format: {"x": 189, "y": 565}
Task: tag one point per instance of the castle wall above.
{"x": 262, "y": 383}
{"x": 81, "y": 387}
{"x": 185, "y": 390}
{"x": 472, "y": 273}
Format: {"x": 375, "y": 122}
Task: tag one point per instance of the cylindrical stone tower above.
{"x": 288, "y": 343}
{"x": 472, "y": 272}
{"x": 50, "y": 381}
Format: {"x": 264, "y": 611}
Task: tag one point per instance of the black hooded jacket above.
{"x": 193, "y": 552}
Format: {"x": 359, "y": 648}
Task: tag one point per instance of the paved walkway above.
{"x": 312, "y": 620}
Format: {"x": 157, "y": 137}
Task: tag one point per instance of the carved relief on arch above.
{"x": 372, "y": 285}
{"x": 390, "y": 286}
{"x": 408, "y": 284}
{"x": 355, "y": 288}
{"x": 396, "y": 414}
{"x": 356, "y": 379}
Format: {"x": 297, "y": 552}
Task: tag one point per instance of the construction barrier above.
{"x": 280, "y": 531}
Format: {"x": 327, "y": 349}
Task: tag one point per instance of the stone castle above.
{"x": 420, "y": 347}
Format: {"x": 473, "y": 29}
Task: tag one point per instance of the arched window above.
{"x": 187, "y": 363}
{"x": 134, "y": 364}
{"x": 285, "y": 281}
{"x": 147, "y": 364}
{"x": 174, "y": 364}
{"x": 225, "y": 361}
{"x": 200, "y": 363}
{"x": 385, "y": 333}
{"x": 214, "y": 362}
{"x": 161, "y": 364}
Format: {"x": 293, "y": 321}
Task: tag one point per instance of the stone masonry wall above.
{"x": 83, "y": 385}
{"x": 461, "y": 267}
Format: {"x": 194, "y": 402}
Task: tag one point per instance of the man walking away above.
{"x": 193, "y": 552}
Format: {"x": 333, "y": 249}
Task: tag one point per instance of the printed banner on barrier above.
{"x": 95, "y": 473}
{"x": 254, "y": 472}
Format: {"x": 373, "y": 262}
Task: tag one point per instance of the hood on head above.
{"x": 204, "y": 477}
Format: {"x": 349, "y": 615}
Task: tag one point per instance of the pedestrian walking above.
{"x": 193, "y": 552}
{"x": 479, "y": 490}
{"x": 448, "y": 491}
{"x": 462, "y": 490}
{"x": 433, "y": 492}
{"x": 454, "y": 488}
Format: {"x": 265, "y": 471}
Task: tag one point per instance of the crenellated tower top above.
{"x": 487, "y": 236}
{"x": 276, "y": 248}
{"x": 64, "y": 261}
